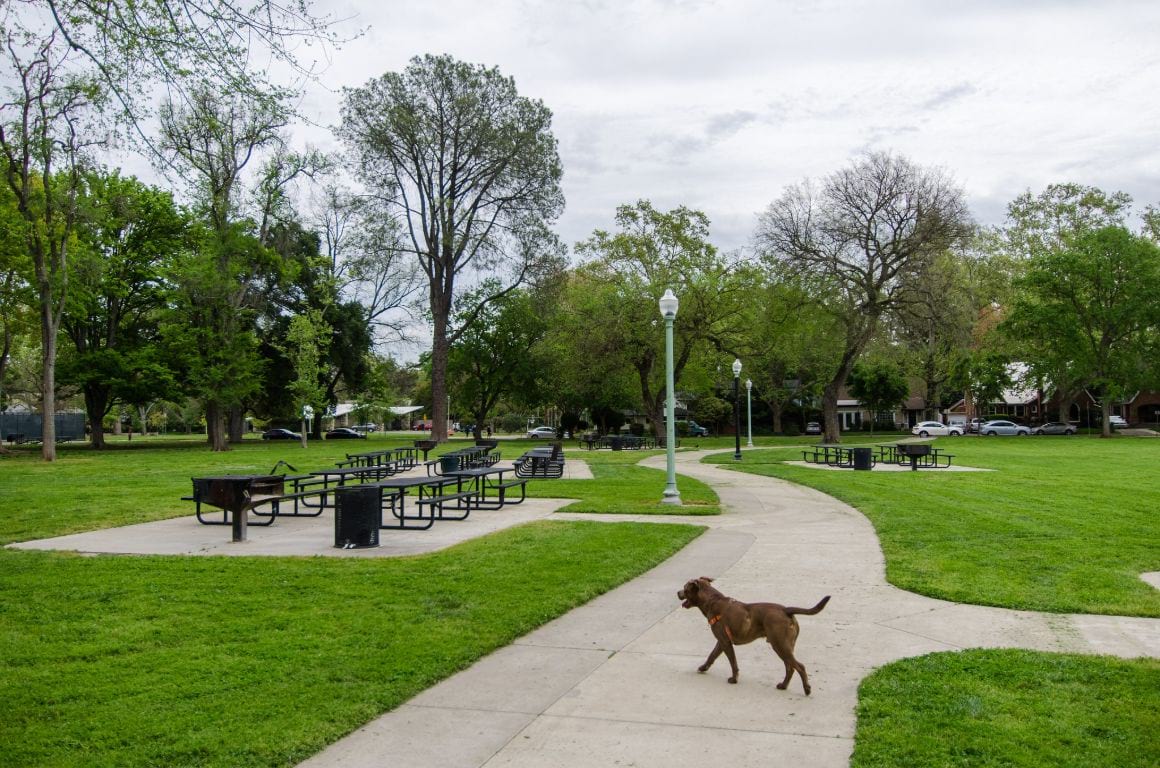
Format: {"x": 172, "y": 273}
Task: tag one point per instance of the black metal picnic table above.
{"x": 430, "y": 494}
{"x": 479, "y": 477}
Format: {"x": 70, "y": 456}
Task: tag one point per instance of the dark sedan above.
{"x": 280, "y": 434}
{"x": 344, "y": 433}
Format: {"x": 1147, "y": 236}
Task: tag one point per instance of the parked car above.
{"x": 813, "y": 428}
{"x": 280, "y": 434}
{"x": 365, "y": 427}
{"x": 974, "y": 424}
{"x": 1003, "y": 427}
{"x": 1117, "y": 422}
{"x": 542, "y": 432}
{"x": 935, "y": 428}
{"x": 693, "y": 429}
{"x": 1054, "y": 428}
{"x": 344, "y": 433}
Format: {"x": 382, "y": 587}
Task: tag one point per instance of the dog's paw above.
{"x": 733, "y": 680}
{"x": 781, "y": 686}
{"x": 703, "y": 668}
{"x": 807, "y": 690}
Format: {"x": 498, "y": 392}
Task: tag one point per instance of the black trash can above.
{"x": 616, "y": 442}
{"x": 357, "y": 513}
{"x": 863, "y": 458}
{"x": 448, "y": 464}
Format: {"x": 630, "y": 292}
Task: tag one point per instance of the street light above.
{"x": 749, "y": 410}
{"x": 668, "y": 305}
{"x": 737, "y": 409}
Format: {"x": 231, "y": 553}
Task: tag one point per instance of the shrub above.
{"x": 791, "y": 429}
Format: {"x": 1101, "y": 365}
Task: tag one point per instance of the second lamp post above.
{"x": 737, "y": 409}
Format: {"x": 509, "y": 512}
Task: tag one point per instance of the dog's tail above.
{"x": 810, "y": 611}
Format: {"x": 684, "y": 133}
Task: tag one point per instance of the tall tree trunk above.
{"x": 96, "y": 403}
{"x": 215, "y": 426}
{"x": 237, "y": 423}
{"x": 47, "y": 376}
{"x": 775, "y": 408}
{"x": 440, "y": 352}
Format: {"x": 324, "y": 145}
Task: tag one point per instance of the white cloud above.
{"x": 720, "y": 104}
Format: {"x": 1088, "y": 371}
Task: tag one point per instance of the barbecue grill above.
{"x": 237, "y": 494}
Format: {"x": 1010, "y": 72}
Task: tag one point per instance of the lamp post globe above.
{"x": 668, "y": 306}
{"x": 737, "y": 410}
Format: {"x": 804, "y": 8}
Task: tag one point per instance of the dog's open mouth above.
{"x": 685, "y": 601}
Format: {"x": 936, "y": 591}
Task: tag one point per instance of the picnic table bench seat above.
{"x": 438, "y": 504}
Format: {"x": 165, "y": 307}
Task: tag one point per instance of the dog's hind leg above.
{"x": 792, "y": 665}
{"x": 732, "y": 660}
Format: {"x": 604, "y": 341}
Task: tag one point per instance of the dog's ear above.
{"x": 705, "y": 579}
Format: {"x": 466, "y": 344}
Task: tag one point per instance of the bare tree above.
{"x": 369, "y": 258}
{"x": 857, "y": 237}
{"x": 471, "y": 170}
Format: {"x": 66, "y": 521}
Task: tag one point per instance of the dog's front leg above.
{"x": 712, "y": 657}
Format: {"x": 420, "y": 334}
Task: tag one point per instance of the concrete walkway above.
{"x": 615, "y": 682}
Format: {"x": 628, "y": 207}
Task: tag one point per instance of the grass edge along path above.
{"x": 233, "y": 661}
{"x": 1009, "y": 707}
{"x": 1062, "y": 525}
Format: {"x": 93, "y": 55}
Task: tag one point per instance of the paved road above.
{"x": 615, "y": 683}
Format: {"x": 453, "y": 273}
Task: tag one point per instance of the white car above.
{"x": 935, "y": 429}
{"x": 1117, "y": 422}
{"x": 542, "y": 432}
{"x": 1003, "y": 427}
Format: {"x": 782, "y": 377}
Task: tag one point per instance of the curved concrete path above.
{"x": 615, "y": 682}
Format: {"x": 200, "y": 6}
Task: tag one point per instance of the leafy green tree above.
{"x": 16, "y": 297}
{"x": 789, "y": 346}
{"x": 880, "y": 386}
{"x": 982, "y": 375}
{"x": 934, "y": 320}
{"x": 855, "y": 239}
{"x": 208, "y": 334}
{"x": 495, "y": 358}
{"x": 125, "y": 233}
{"x": 1042, "y": 226}
{"x": 471, "y": 169}
{"x": 652, "y": 251}
{"x": 588, "y": 374}
{"x": 1095, "y": 298}
{"x": 213, "y": 139}
{"x": 306, "y": 346}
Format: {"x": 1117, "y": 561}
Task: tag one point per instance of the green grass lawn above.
{"x": 1010, "y": 708}
{"x": 116, "y": 661}
{"x": 1063, "y": 524}
{"x": 233, "y": 661}
{"x": 237, "y": 661}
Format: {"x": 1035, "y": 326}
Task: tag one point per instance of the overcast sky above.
{"x": 719, "y": 104}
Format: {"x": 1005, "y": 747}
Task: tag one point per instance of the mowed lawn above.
{"x": 1062, "y": 524}
{"x": 238, "y": 661}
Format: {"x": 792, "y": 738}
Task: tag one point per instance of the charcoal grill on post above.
{"x": 913, "y": 451}
{"x": 237, "y": 494}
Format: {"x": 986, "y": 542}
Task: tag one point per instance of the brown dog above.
{"x": 736, "y": 623}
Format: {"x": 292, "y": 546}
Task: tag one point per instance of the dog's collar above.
{"x": 714, "y": 619}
